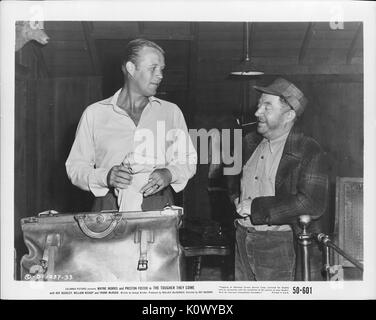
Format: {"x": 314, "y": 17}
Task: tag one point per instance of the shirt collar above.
{"x": 112, "y": 100}
{"x": 275, "y": 143}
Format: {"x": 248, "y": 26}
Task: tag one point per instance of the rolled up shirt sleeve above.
{"x": 80, "y": 165}
{"x": 181, "y": 155}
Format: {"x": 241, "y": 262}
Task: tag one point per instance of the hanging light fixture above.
{"x": 246, "y": 67}
{"x": 245, "y": 71}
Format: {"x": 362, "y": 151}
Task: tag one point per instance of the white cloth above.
{"x": 130, "y": 199}
{"x": 258, "y": 179}
{"x": 106, "y": 135}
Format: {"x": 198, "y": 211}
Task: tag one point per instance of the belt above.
{"x": 252, "y": 229}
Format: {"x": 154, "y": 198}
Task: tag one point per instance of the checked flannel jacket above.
{"x": 301, "y": 185}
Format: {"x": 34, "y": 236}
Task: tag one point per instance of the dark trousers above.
{"x": 156, "y": 201}
{"x": 264, "y": 255}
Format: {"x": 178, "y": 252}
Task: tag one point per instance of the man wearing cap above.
{"x": 283, "y": 177}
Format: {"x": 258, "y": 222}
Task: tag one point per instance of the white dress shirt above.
{"x": 106, "y": 136}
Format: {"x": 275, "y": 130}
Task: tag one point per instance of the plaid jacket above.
{"x": 301, "y": 185}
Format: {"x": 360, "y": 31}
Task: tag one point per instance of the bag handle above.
{"x": 52, "y": 244}
{"x": 46, "y": 267}
{"x": 80, "y": 218}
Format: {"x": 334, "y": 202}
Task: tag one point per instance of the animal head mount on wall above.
{"x": 30, "y": 30}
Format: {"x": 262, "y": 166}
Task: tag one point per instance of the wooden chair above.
{"x": 348, "y": 229}
{"x": 197, "y": 252}
{"x": 209, "y": 241}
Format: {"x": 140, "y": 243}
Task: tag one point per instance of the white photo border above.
{"x": 185, "y": 11}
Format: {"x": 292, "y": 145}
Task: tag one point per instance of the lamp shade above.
{"x": 245, "y": 68}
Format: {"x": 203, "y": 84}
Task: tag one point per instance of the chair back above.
{"x": 348, "y": 229}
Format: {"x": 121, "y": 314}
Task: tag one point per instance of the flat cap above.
{"x": 283, "y": 88}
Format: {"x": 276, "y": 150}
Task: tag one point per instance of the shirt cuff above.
{"x": 98, "y": 182}
{"x": 178, "y": 182}
{"x": 174, "y": 173}
{"x": 245, "y": 207}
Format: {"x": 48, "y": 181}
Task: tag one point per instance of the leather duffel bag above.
{"x": 103, "y": 246}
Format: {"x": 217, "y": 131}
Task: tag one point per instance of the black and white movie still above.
{"x": 208, "y": 158}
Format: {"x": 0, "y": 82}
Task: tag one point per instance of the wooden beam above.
{"x": 141, "y": 27}
{"x": 327, "y": 69}
{"x": 92, "y": 50}
{"x": 351, "y": 52}
{"x": 103, "y": 34}
{"x": 320, "y": 78}
{"x": 306, "y": 40}
{"x": 251, "y": 37}
{"x": 42, "y": 69}
{"x": 192, "y": 75}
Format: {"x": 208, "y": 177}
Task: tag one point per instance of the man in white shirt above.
{"x": 110, "y": 151}
{"x": 284, "y": 177}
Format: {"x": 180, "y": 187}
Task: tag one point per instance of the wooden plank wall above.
{"x": 47, "y": 113}
{"x": 24, "y": 191}
{"x": 60, "y": 105}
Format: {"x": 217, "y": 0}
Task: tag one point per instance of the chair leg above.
{"x": 197, "y": 268}
{"x": 227, "y": 268}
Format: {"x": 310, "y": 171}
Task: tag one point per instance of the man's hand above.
{"x": 119, "y": 177}
{"x": 244, "y": 208}
{"x": 158, "y": 180}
